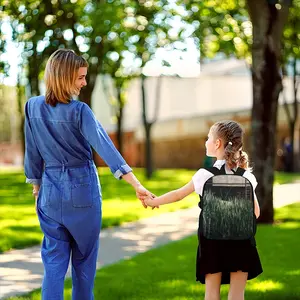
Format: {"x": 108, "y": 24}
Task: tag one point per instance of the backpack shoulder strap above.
{"x": 216, "y": 171}
{"x": 239, "y": 171}
{"x": 213, "y": 170}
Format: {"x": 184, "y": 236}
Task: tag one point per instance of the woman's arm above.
{"x": 98, "y": 138}
{"x": 172, "y": 196}
{"x": 33, "y": 162}
{"x": 256, "y": 207}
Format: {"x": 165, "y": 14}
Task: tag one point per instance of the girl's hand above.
{"x": 149, "y": 202}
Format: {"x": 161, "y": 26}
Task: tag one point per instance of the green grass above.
{"x": 282, "y": 178}
{"x": 168, "y": 272}
{"x": 19, "y": 225}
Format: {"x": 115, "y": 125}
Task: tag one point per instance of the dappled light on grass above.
{"x": 265, "y": 286}
{"x": 176, "y": 284}
{"x": 289, "y": 225}
{"x": 288, "y": 214}
{"x": 293, "y": 273}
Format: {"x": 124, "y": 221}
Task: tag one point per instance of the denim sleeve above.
{"x": 97, "y": 137}
{"x": 33, "y": 162}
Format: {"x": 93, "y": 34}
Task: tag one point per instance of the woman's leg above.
{"x": 85, "y": 232}
{"x": 212, "y": 286}
{"x": 238, "y": 282}
{"x": 55, "y": 254}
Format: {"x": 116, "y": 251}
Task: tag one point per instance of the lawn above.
{"x": 168, "y": 272}
{"x": 19, "y": 226}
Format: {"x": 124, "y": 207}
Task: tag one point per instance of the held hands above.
{"x": 144, "y": 194}
{"x": 149, "y": 202}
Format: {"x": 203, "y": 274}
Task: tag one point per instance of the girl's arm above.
{"x": 172, "y": 196}
{"x": 256, "y": 207}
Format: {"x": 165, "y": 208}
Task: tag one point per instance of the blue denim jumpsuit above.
{"x": 58, "y": 157}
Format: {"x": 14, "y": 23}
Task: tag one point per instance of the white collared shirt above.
{"x": 202, "y": 175}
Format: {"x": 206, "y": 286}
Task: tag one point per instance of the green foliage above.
{"x": 225, "y": 27}
{"x": 104, "y": 32}
{"x": 291, "y": 44}
{"x": 168, "y": 272}
{"x": 221, "y": 26}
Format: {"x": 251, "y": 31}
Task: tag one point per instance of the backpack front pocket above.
{"x": 81, "y": 195}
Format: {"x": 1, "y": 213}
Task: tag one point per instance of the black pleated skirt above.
{"x": 214, "y": 256}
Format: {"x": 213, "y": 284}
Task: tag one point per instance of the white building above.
{"x": 223, "y": 89}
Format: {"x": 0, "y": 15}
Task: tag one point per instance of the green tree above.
{"x": 291, "y": 58}
{"x": 118, "y": 99}
{"x": 88, "y": 27}
{"x": 251, "y": 30}
{"x": 151, "y": 24}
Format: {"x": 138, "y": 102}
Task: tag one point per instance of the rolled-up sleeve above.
{"x": 97, "y": 137}
{"x": 33, "y": 162}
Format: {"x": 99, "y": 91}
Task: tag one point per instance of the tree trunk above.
{"x": 147, "y": 127}
{"x": 148, "y": 148}
{"x": 120, "y": 119}
{"x": 295, "y": 155}
{"x": 20, "y": 98}
{"x": 86, "y": 93}
{"x": 34, "y": 63}
{"x": 291, "y": 157}
{"x": 268, "y": 23}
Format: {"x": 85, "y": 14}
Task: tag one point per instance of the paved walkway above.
{"x": 21, "y": 270}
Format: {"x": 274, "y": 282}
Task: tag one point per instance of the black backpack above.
{"x": 227, "y": 206}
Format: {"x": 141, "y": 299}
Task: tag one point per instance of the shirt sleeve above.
{"x": 199, "y": 179}
{"x": 97, "y": 137}
{"x": 33, "y": 161}
{"x": 251, "y": 178}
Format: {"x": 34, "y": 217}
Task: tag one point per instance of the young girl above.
{"x": 221, "y": 261}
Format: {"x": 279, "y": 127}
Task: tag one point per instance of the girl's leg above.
{"x": 238, "y": 282}
{"x": 212, "y": 286}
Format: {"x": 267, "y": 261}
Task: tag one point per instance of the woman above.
{"x": 59, "y": 136}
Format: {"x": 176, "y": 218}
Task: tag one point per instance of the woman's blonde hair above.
{"x": 231, "y": 134}
{"x": 60, "y": 75}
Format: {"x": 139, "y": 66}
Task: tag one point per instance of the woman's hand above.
{"x": 35, "y": 193}
{"x": 36, "y": 207}
{"x": 142, "y": 193}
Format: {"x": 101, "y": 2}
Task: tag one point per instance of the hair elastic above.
{"x": 230, "y": 143}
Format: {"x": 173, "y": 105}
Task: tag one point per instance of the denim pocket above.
{"x": 81, "y": 195}
{"x": 45, "y": 195}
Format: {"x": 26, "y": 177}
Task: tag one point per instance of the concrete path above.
{"x": 21, "y": 270}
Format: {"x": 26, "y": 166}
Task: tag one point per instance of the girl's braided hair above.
{"x": 231, "y": 133}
